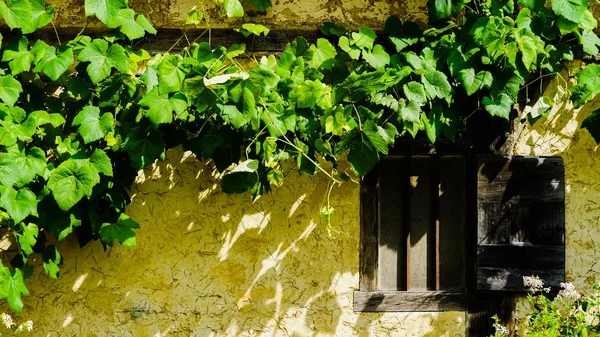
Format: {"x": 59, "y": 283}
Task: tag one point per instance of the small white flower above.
{"x": 501, "y": 330}
{"x": 533, "y": 282}
{"x": 568, "y": 292}
{"x": 7, "y": 320}
{"x": 29, "y": 325}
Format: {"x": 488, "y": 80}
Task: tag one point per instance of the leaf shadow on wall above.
{"x": 210, "y": 264}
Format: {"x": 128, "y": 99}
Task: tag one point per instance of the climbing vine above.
{"x": 78, "y": 119}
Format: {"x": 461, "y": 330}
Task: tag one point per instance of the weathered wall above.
{"x": 210, "y": 264}
{"x": 289, "y": 14}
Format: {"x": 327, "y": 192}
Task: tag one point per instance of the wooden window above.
{"x": 413, "y": 234}
{"x": 415, "y": 237}
{"x": 520, "y": 221}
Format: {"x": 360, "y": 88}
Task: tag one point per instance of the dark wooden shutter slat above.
{"x": 368, "y": 232}
{"x": 421, "y": 243}
{"x": 392, "y": 196}
{"x": 520, "y": 232}
{"x": 451, "y": 223}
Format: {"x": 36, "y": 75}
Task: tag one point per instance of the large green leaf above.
{"x": 19, "y": 204}
{"x": 101, "y": 163}
{"x": 105, "y": 10}
{"x": 51, "y": 259}
{"x": 364, "y": 38}
{"x": 498, "y": 105}
{"x": 436, "y": 84}
{"x": 233, "y": 8}
{"x": 122, "y": 231}
{"x": 92, "y": 126}
{"x": 20, "y": 168}
{"x": 233, "y": 116}
{"x": 53, "y": 64}
{"x": 590, "y": 42}
{"x": 12, "y": 287}
{"x": 378, "y": 58}
{"x": 28, "y": 15}
{"x": 170, "y": 74}
{"x": 572, "y": 10}
{"x": 442, "y": 9}
{"x": 322, "y": 51}
{"x": 10, "y": 89}
{"x": 71, "y": 181}
{"x": 102, "y": 59}
{"x": 414, "y": 91}
{"x": 362, "y": 155}
{"x": 27, "y": 237}
{"x": 474, "y": 82}
{"x": 130, "y": 26}
{"x": 307, "y": 94}
{"x": 144, "y": 146}
{"x": 241, "y": 178}
{"x": 18, "y": 56}
{"x": 161, "y": 107}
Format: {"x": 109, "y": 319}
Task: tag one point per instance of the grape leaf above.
{"x": 362, "y": 155}
{"x": 51, "y": 259}
{"x": 322, "y": 51}
{"x": 474, "y": 82}
{"x": 161, "y": 107}
{"x": 590, "y": 42}
{"x": 233, "y": 116}
{"x": 92, "y": 126}
{"x": 498, "y": 106}
{"x": 20, "y": 168}
{"x": 414, "y": 91}
{"x": 378, "y": 58}
{"x": 102, "y": 59}
{"x": 143, "y": 146}
{"x": 241, "y": 178}
{"x": 10, "y": 89}
{"x": 170, "y": 74}
{"x": 233, "y": 8}
{"x": 105, "y": 10}
{"x": 572, "y": 10}
{"x": 53, "y": 64}
{"x": 12, "y": 287}
{"x": 19, "y": 204}
{"x": 436, "y": 84}
{"x": 18, "y": 56}
{"x": 101, "y": 163}
{"x": 364, "y": 38}
{"x": 28, "y": 15}
{"x": 71, "y": 181}
{"x": 307, "y": 94}
{"x": 442, "y": 9}
{"x": 122, "y": 231}
{"x": 194, "y": 17}
{"x": 27, "y": 237}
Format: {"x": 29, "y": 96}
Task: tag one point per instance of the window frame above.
{"x": 368, "y": 298}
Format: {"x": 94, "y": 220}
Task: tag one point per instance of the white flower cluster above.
{"x": 7, "y": 320}
{"x": 9, "y": 323}
{"x": 533, "y": 282}
{"x": 501, "y": 330}
{"x": 568, "y": 292}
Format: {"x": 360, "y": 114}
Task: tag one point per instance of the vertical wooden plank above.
{"x": 451, "y": 221}
{"x": 549, "y": 224}
{"x": 520, "y": 223}
{"x": 368, "y": 232}
{"x": 421, "y": 265}
{"x": 393, "y": 185}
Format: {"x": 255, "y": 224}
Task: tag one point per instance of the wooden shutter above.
{"x": 421, "y": 223}
{"x": 520, "y": 221}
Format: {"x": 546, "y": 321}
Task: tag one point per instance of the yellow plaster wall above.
{"x": 211, "y": 264}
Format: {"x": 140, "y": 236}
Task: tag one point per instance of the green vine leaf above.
{"x": 105, "y": 10}
{"x": 19, "y": 204}
{"x": 71, "y": 181}
{"x": 12, "y": 287}
{"x": 161, "y": 107}
{"x": 101, "y": 162}
{"x": 51, "y": 259}
{"x": 121, "y": 231}
{"x": 442, "y": 9}
{"x": 475, "y": 82}
{"x": 92, "y": 126}
{"x": 590, "y": 42}
{"x": 322, "y": 51}
{"x": 572, "y": 10}
{"x": 241, "y": 178}
{"x": 364, "y": 38}
{"x": 10, "y": 89}
{"x": 170, "y": 74}
{"x": 102, "y": 59}
{"x": 378, "y": 58}
{"x": 53, "y": 64}
{"x": 498, "y": 105}
{"x": 28, "y": 15}
{"x": 28, "y": 237}
{"x": 307, "y": 94}
{"x": 233, "y": 8}
{"x": 436, "y": 84}
{"x": 18, "y": 56}
{"x": 415, "y": 91}
{"x": 19, "y": 168}
{"x": 143, "y": 146}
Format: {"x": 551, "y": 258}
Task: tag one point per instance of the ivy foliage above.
{"x": 79, "y": 119}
